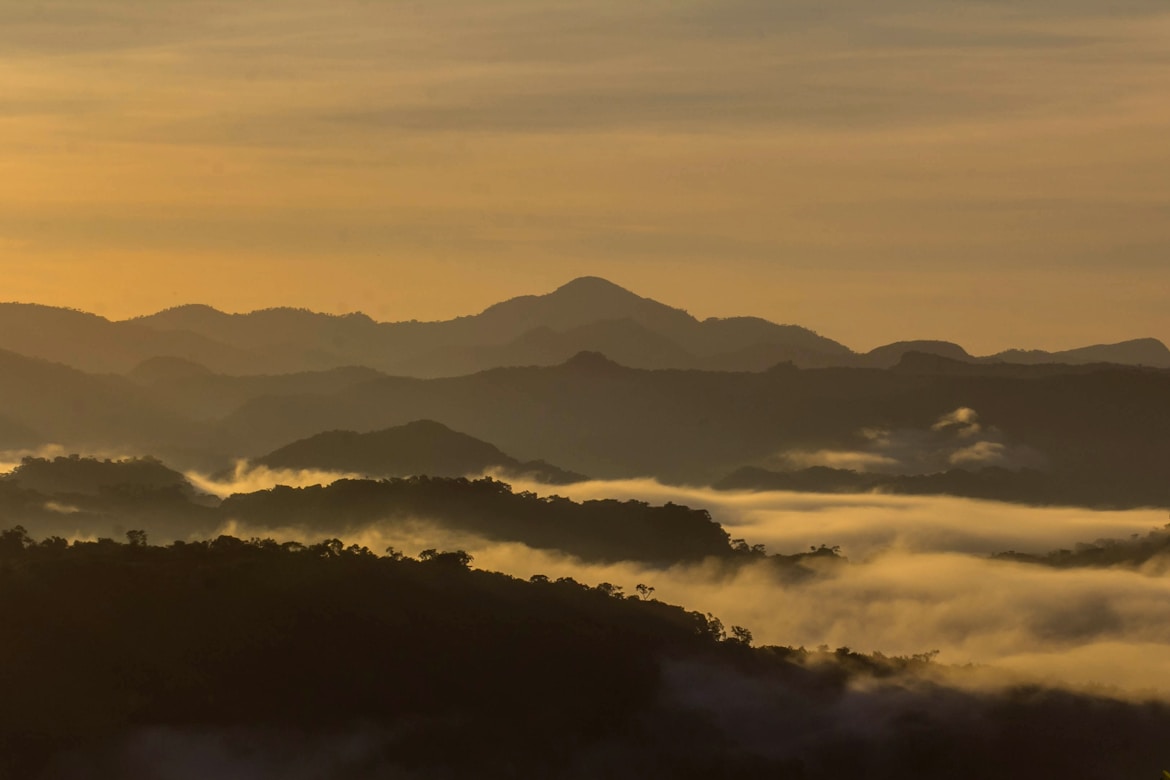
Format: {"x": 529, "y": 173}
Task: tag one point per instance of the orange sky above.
{"x": 991, "y": 173}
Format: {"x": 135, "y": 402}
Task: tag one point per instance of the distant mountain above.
{"x": 1137, "y": 352}
{"x": 891, "y": 354}
{"x": 582, "y": 301}
{"x": 1107, "y": 428}
{"x": 1103, "y": 429}
{"x": 420, "y": 447}
{"x": 625, "y": 340}
{"x": 193, "y": 391}
{"x": 65, "y": 406}
{"x": 586, "y": 314}
{"x": 167, "y": 369}
{"x": 95, "y": 344}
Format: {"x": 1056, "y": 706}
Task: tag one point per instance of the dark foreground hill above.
{"x": 419, "y": 447}
{"x": 252, "y": 659}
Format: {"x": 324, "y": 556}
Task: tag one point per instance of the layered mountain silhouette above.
{"x": 46, "y": 403}
{"x": 587, "y": 314}
{"x": 1102, "y": 431}
{"x": 420, "y": 447}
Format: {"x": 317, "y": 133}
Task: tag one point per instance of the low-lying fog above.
{"x": 919, "y": 578}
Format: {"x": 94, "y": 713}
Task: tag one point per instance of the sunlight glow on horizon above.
{"x": 994, "y": 177}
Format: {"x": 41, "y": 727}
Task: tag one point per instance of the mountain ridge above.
{"x": 588, "y": 313}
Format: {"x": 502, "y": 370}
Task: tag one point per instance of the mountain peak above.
{"x": 589, "y": 360}
{"x": 601, "y": 294}
{"x": 591, "y": 284}
{"x": 582, "y": 301}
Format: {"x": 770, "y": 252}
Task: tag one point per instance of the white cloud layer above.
{"x": 918, "y": 579}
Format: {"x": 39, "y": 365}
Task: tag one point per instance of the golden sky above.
{"x": 994, "y": 173}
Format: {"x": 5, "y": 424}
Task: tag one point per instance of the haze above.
{"x": 988, "y": 173}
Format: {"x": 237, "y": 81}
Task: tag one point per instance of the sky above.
{"x": 993, "y": 173}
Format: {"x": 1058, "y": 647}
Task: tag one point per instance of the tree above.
{"x": 14, "y": 541}
{"x": 741, "y": 635}
{"x": 610, "y": 589}
{"x": 454, "y": 558}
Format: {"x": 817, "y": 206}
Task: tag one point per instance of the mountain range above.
{"x": 1102, "y": 430}
{"x": 586, "y": 314}
{"x": 289, "y": 388}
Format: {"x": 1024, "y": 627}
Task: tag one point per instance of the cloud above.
{"x": 862, "y": 524}
{"x": 918, "y": 579}
{"x": 955, "y": 439}
{"x": 983, "y": 453}
{"x": 964, "y": 420}
{"x": 10, "y": 459}
{"x": 841, "y": 459}
{"x": 248, "y": 478}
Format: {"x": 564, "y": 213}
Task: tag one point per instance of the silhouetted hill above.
{"x": 1137, "y": 352}
{"x": 65, "y": 406}
{"x": 586, "y": 314}
{"x": 287, "y": 339}
{"x": 927, "y": 363}
{"x": 582, "y": 301}
{"x": 604, "y": 531}
{"x": 482, "y": 668}
{"x": 88, "y": 497}
{"x": 167, "y": 369}
{"x": 1134, "y": 552}
{"x": 626, "y": 340}
{"x": 1102, "y": 431}
{"x": 261, "y": 659}
{"x": 207, "y": 396}
{"x": 95, "y": 344}
{"x": 420, "y": 447}
{"x": 1107, "y": 428}
{"x": 89, "y": 476}
{"x": 891, "y": 354}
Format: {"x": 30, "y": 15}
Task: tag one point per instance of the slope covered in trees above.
{"x": 265, "y": 659}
